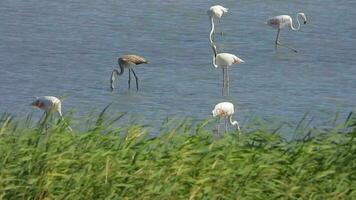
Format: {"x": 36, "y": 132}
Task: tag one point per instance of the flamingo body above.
{"x": 227, "y": 59}
{"x": 225, "y": 110}
{"x": 49, "y": 104}
{"x": 216, "y": 11}
{"x": 129, "y": 62}
{"x": 281, "y": 21}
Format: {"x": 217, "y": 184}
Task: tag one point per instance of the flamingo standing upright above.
{"x": 127, "y": 61}
{"x": 225, "y": 60}
{"x": 216, "y": 11}
{"x": 226, "y": 110}
{"x": 280, "y": 21}
{"x": 50, "y": 105}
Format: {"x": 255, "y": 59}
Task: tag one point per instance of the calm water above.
{"x": 69, "y": 48}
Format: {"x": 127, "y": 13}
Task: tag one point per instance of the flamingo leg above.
{"x": 227, "y": 81}
{"x": 129, "y": 78}
{"x": 218, "y": 127}
{"x": 135, "y": 78}
{"x": 225, "y": 124}
{"x": 222, "y": 27}
{"x": 277, "y": 37}
{"x": 223, "y": 88}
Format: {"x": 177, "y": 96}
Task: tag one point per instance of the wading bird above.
{"x": 225, "y": 110}
{"x": 216, "y": 11}
{"x": 127, "y": 61}
{"x": 225, "y": 60}
{"x": 50, "y": 105}
{"x": 280, "y": 21}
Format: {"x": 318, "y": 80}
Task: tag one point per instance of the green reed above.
{"x": 185, "y": 161}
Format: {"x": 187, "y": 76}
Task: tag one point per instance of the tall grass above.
{"x": 183, "y": 162}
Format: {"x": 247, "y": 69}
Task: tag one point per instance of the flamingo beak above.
{"x": 305, "y": 22}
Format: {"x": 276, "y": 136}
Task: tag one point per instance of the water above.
{"x": 69, "y": 48}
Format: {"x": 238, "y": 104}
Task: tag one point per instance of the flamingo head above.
{"x": 302, "y": 15}
{"x": 37, "y": 103}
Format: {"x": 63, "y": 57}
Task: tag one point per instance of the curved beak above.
{"x": 305, "y": 22}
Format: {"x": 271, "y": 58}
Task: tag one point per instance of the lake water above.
{"x": 69, "y": 48}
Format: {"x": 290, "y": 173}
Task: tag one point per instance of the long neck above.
{"x": 212, "y": 29}
{"x": 214, "y": 55}
{"x": 232, "y": 122}
{"x": 121, "y": 70}
{"x": 291, "y": 24}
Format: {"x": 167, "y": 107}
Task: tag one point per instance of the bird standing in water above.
{"x": 280, "y": 21}
{"x": 225, "y": 110}
{"x": 225, "y": 60}
{"x": 127, "y": 61}
{"x": 216, "y": 11}
{"x": 50, "y": 105}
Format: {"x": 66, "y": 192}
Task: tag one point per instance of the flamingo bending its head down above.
{"x": 50, "y": 105}
{"x": 216, "y": 11}
{"x": 127, "y": 61}
{"x": 225, "y": 110}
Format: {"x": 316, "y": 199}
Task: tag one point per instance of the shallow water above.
{"x": 69, "y": 48}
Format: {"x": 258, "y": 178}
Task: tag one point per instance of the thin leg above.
{"x": 223, "y": 87}
{"x": 277, "y": 37}
{"x": 219, "y": 127}
{"x": 222, "y": 27}
{"x": 135, "y": 78}
{"x": 227, "y": 81}
{"x": 225, "y": 124}
{"x": 44, "y": 122}
{"x": 129, "y": 78}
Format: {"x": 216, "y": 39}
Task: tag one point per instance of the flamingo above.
{"x": 49, "y": 104}
{"x": 225, "y": 60}
{"x": 226, "y": 110}
{"x": 216, "y": 11}
{"x": 127, "y": 61}
{"x": 280, "y": 21}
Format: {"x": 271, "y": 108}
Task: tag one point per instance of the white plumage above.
{"x": 216, "y": 11}
{"x": 50, "y": 105}
{"x": 226, "y": 110}
{"x": 224, "y": 60}
{"x": 281, "y": 21}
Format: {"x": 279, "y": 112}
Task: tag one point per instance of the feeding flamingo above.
{"x": 127, "y": 61}
{"x": 225, "y": 110}
{"x": 49, "y": 104}
{"x": 216, "y": 11}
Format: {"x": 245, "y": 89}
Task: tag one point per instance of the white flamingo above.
{"x": 225, "y": 110}
{"x": 225, "y": 60}
{"x": 50, "y": 105}
{"x": 280, "y": 21}
{"x": 216, "y": 11}
{"x": 127, "y": 61}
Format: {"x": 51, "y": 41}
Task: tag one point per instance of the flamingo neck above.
{"x": 214, "y": 56}
{"x": 234, "y": 123}
{"x": 212, "y": 29}
{"x": 291, "y": 25}
{"x": 121, "y": 70}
